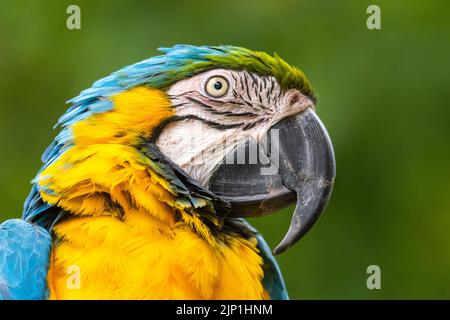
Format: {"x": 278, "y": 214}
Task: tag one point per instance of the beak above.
{"x": 295, "y": 163}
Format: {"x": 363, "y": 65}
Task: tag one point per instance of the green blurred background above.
{"x": 384, "y": 97}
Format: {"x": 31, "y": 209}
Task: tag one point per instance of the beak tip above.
{"x": 278, "y": 250}
{"x": 283, "y": 246}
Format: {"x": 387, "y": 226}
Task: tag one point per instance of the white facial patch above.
{"x": 207, "y": 128}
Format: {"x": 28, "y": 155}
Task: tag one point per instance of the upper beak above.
{"x": 297, "y": 164}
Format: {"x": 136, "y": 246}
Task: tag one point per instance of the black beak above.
{"x": 296, "y": 164}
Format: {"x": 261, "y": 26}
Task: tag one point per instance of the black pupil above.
{"x": 218, "y": 85}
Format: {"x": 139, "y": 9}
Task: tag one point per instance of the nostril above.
{"x": 294, "y": 99}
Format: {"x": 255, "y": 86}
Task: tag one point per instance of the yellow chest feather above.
{"x": 105, "y": 257}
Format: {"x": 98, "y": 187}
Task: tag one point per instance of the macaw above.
{"x": 140, "y": 195}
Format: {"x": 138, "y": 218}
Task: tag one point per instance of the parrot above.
{"x": 145, "y": 190}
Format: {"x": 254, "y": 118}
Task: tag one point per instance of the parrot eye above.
{"x": 216, "y": 86}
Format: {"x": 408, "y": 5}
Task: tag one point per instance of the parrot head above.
{"x": 241, "y": 124}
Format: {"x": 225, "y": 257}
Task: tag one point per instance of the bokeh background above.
{"x": 384, "y": 97}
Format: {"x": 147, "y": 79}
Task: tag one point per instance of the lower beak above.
{"x": 296, "y": 165}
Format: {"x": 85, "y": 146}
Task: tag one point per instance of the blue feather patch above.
{"x": 24, "y": 260}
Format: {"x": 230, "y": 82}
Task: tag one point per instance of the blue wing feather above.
{"x": 273, "y": 279}
{"x": 24, "y": 260}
